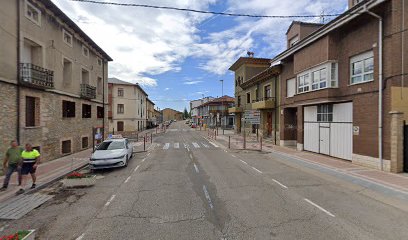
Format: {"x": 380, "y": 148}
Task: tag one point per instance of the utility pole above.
{"x": 222, "y": 100}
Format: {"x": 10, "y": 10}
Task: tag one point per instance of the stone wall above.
{"x": 53, "y": 128}
{"x": 8, "y": 116}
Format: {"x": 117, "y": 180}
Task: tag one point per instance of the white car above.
{"x": 111, "y": 153}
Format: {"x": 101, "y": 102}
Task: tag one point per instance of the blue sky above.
{"x": 178, "y": 56}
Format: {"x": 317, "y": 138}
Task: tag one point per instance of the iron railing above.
{"x": 35, "y": 76}
{"x": 263, "y": 99}
{"x": 88, "y": 91}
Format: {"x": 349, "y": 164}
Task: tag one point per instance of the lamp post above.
{"x": 222, "y": 100}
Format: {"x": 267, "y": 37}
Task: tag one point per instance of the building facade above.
{"x": 127, "y": 106}
{"x": 169, "y": 114}
{"x": 214, "y": 113}
{"x": 343, "y": 88}
{"x": 54, "y": 77}
{"x": 150, "y": 115}
{"x": 194, "y": 109}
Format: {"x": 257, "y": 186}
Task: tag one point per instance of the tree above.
{"x": 186, "y": 114}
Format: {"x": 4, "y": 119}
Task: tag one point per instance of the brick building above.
{"x": 332, "y": 100}
{"x": 171, "y": 114}
{"x": 52, "y": 80}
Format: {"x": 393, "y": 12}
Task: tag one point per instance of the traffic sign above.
{"x": 252, "y": 116}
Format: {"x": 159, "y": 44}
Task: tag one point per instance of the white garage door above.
{"x": 331, "y": 135}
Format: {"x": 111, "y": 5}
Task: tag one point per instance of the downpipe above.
{"x": 380, "y": 85}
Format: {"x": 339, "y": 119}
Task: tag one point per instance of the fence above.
{"x": 247, "y": 141}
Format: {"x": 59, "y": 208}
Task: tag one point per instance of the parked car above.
{"x": 111, "y": 153}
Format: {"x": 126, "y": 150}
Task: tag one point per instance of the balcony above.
{"x": 35, "y": 76}
{"x": 235, "y": 110}
{"x": 264, "y": 103}
{"x": 88, "y": 91}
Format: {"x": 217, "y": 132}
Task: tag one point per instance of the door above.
{"x": 120, "y": 126}
{"x": 269, "y": 124}
{"x": 406, "y": 148}
{"x": 324, "y": 144}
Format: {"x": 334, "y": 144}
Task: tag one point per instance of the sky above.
{"x": 181, "y": 56}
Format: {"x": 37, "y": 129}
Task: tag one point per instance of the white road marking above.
{"x": 196, "y": 168}
{"x": 243, "y": 162}
{"x": 233, "y": 155}
{"x": 137, "y": 167}
{"x": 185, "y": 145}
{"x": 148, "y": 154}
{"x": 144, "y": 159}
{"x": 205, "y": 145}
{"x": 256, "y": 169}
{"x": 207, "y": 195}
{"x": 176, "y": 145}
{"x": 196, "y": 145}
{"x": 320, "y": 208}
{"x": 127, "y": 179}
{"x": 280, "y": 184}
{"x": 80, "y": 237}
{"x": 215, "y": 145}
{"x": 191, "y": 156}
{"x": 110, "y": 200}
{"x": 166, "y": 146}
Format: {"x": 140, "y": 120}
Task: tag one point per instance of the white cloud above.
{"x": 167, "y": 89}
{"x": 192, "y": 82}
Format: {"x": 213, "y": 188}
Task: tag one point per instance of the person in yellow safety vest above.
{"x": 30, "y": 158}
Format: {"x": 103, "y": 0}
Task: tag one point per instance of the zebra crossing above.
{"x": 192, "y": 145}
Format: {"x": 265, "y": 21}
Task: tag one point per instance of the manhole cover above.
{"x": 19, "y": 206}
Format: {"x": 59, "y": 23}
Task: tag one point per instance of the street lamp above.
{"x": 222, "y": 100}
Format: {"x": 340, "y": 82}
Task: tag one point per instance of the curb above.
{"x": 46, "y": 184}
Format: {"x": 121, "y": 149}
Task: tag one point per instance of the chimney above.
{"x": 250, "y": 54}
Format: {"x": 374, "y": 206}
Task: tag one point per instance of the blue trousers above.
{"x": 10, "y": 169}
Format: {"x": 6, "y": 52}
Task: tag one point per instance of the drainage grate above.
{"x": 19, "y": 206}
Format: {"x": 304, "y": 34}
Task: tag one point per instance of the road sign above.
{"x": 252, "y": 116}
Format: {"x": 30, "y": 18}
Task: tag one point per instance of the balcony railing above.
{"x": 35, "y": 76}
{"x": 88, "y": 91}
{"x": 263, "y": 103}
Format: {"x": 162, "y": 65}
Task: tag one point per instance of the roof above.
{"x": 223, "y": 99}
{"x": 150, "y": 101}
{"x": 60, "y": 14}
{"x": 344, "y": 18}
{"x": 121, "y": 82}
{"x": 303, "y": 23}
{"x": 245, "y": 60}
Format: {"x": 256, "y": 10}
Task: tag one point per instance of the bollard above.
{"x": 156, "y": 129}
{"x": 229, "y": 142}
{"x": 137, "y": 137}
{"x": 151, "y": 138}
{"x": 144, "y": 143}
{"x": 244, "y": 140}
{"x": 215, "y": 135}
{"x": 261, "y": 142}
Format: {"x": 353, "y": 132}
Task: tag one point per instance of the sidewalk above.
{"x": 393, "y": 180}
{"x": 48, "y": 171}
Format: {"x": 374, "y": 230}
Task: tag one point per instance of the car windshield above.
{"x": 111, "y": 145}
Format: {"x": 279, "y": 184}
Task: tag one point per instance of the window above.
{"x": 99, "y": 85}
{"x": 121, "y": 92}
{"x": 66, "y": 147}
{"x": 67, "y": 72}
{"x": 248, "y": 97}
{"x": 85, "y": 142}
{"x": 68, "y": 109}
{"x": 67, "y": 37}
{"x": 325, "y": 113}
{"x": 86, "y": 111}
{"x": 290, "y": 87}
{"x": 33, "y": 13}
{"x": 32, "y": 113}
{"x": 293, "y": 41}
{"x": 99, "y": 62}
{"x": 120, "y": 126}
{"x": 85, "y": 76}
{"x": 99, "y": 112}
{"x": 303, "y": 83}
{"x": 239, "y": 101}
{"x": 319, "y": 79}
{"x": 267, "y": 92}
{"x": 85, "y": 51}
{"x": 362, "y": 68}
{"x": 121, "y": 108}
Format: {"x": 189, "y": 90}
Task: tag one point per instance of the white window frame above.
{"x": 331, "y": 79}
{"x": 28, "y": 4}
{"x": 69, "y": 34}
{"x": 319, "y": 80}
{"x": 287, "y": 88}
{"x": 85, "y": 49}
{"x": 362, "y": 58}
{"x": 293, "y": 41}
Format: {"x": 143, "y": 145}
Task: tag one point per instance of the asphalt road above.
{"x": 186, "y": 187}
